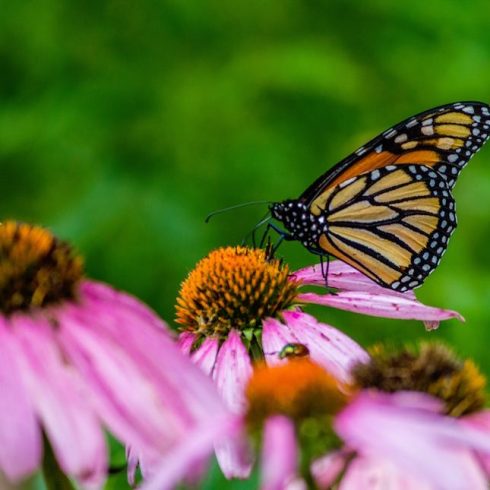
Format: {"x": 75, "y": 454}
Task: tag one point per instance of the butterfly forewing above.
{"x": 387, "y": 208}
{"x": 443, "y": 138}
{"x": 393, "y": 223}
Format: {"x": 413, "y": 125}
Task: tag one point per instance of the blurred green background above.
{"x": 123, "y": 123}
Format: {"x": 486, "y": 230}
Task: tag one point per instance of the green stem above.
{"x": 256, "y": 351}
{"x": 54, "y": 477}
{"x": 305, "y": 469}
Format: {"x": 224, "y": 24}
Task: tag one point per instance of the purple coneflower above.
{"x": 77, "y": 356}
{"x": 410, "y": 420}
{"x": 238, "y": 306}
{"x": 418, "y": 421}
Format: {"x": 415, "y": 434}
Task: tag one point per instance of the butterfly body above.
{"x": 387, "y": 209}
{"x": 301, "y": 224}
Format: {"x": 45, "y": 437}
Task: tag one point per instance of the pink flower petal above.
{"x": 114, "y": 299}
{"x": 156, "y": 353}
{"x": 20, "y": 448}
{"x": 344, "y": 277}
{"x": 275, "y": 335}
{"x": 186, "y": 341}
{"x": 375, "y": 473}
{"x": 383, "y": 305}
{"x": 481, "y": 422}
{"x": 61, "y": 399}
{"x": 328, "y": 347}
{"x": 327, "y": 470}
{"x": 430, "y": 447}
{"x": 177, "y": 464}
{"x": 125, "y": 399}
{"x": 279, "y": 453}
{"x": 184, "y": 389}
{"x": 231, "y": 373}
{"x": 205, "y": 356}
{"x": 132, "y": 459}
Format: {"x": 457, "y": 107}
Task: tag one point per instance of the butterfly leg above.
{"x": 325, "y": 269}
{"x": 282, "y": 234}
{"x": 253, "y": 233}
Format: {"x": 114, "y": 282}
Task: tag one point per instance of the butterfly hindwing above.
{"x": 387, "y": 208}
{"x": 393, "y": 223}
{"x": 444, "y": 139}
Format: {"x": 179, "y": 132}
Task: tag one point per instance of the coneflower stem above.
{"x": 54, "y": 477}
{"x": 256, "y": 351}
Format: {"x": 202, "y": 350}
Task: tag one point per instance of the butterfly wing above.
{"x": 392, "y": 224}
{"x": 443, "y": 138}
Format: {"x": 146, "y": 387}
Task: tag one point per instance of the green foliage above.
{"x": 122, "y": 123}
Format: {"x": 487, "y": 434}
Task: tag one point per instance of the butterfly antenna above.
{"x": 236, "y": 206}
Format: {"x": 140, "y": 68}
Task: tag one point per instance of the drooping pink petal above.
{"x": 328, "y": 347}
{"x": 344, "y": 277}
{"x": 132, "y": 460}
{"x": 414, "y": 400}
{"x": 61, "y": 399}
{"x": 20, "y": 448}
{"x": 175, "y": 466}
{"x": 231, "y": 373}
{"x": 382, "y": 305}
{"x": 175, "y": 373}
{"x": 205, "y": 356}
{"x": 183, "y": 389}
{"x": 481, "y": 422}
{"x": 428, "y": 446}
{"x": 279, "y": 460}
{"x": 184, "y": 398}
{"x": 186, "y": 341}
{"x": 115, "y": 299}
{"x": 431, "y": 325}
{"x": 327, "y": 470}
{"x": 192, "y": 473}
{"x": 125, "y": 399}
{"x": 375, "y": 473}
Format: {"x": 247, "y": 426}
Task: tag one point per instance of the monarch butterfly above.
{"x": 387, "y": 209}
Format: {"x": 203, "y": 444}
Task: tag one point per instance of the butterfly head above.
{"x": 299, "y": 221}
{"x": 287, "y": 211}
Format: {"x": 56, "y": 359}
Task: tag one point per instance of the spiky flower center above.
{"x": 303, "y": 392}
{"x": 233, "y": 287}
{"x": 433, "y": 369}
{"x": 299, "y": 389}
{"x": 36, "y": 269}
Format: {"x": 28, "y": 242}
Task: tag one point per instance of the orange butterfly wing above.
{"x": 387, "y": 209}
{"x": 393, "y": 224}
{"x": 444, "y": 138}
